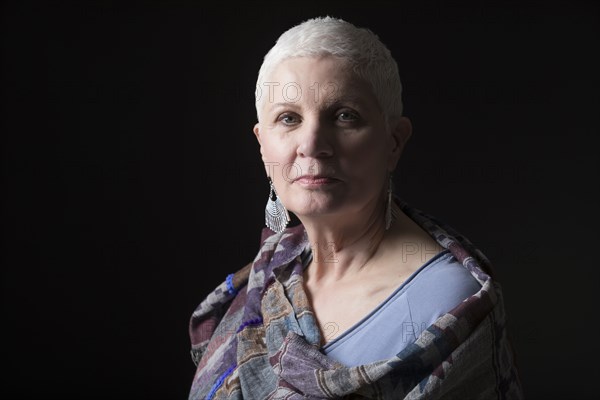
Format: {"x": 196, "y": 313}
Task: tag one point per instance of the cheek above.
{"x": 276, "y": 156}
{"x": 368, "y": 153}
{"x": 272, "y": 151}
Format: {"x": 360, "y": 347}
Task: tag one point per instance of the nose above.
{"x": 315, "y": 140}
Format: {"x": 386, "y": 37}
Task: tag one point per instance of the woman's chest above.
{"x": 337, "y": 310}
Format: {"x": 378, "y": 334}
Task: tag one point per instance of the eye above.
{"x": 346, "y": 116}
{"x": 288, "y": 119}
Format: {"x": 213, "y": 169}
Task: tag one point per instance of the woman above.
{"x": 367, "y": 297}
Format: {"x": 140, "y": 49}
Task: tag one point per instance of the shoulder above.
{"x": 215, "y": 310}
{"x": 439, "y": 286}
{"x": 444, "y": 279}
{"x": 447, "y": 237}
{"x": 238, "y": 297}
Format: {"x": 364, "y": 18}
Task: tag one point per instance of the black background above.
{"x": 132, "y": 183}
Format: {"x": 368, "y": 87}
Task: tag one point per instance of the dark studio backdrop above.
{"x": 132, "y": 183}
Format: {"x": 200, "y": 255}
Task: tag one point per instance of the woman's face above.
{"x": 323, "y": 138}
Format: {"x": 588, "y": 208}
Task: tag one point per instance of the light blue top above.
{"x": 434, "y": 289}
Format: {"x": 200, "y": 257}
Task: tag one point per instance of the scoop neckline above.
{"x": 306, "y": 261}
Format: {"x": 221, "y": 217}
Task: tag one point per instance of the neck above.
{"x": 343, "y": 246}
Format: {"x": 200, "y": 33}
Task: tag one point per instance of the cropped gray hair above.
{"x": 368, "y": 57}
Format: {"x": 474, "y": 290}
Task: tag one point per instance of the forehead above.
{"x": 316, "y": 80}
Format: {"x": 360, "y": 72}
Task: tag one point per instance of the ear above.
{"x": 401, "y": 131}
{"x": 256, "y": 131}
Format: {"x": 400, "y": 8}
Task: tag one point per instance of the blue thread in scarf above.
{"x": 230, "y": 288}
{"x": 220, "y": 381}
{"x": 254, "y": 321}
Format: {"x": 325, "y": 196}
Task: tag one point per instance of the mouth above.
{"x": 315, "y": 180}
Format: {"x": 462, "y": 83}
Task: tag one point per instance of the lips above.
{"x": 315, "y": 179}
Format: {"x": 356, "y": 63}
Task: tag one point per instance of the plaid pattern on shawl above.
{"x": 255, "y": 336}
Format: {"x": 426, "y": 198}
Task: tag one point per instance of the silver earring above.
{"x": 390, "y": 211}
{"x": 276, "y": 215}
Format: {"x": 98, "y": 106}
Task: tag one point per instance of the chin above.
{"x": 315, "y": 206}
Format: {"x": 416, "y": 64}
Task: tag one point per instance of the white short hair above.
{"x": 359, "y": 47}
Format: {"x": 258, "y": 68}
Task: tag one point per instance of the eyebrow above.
{"x": 348, "y": 99}
{"x": 278, "y": 105}
{"x": 351, "y": 100}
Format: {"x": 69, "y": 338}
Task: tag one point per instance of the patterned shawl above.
{"x": 256, "y": 337}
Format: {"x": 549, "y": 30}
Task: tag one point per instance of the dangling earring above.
{"x": 276, "y": 215}
{"x": 390, "y": 211}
